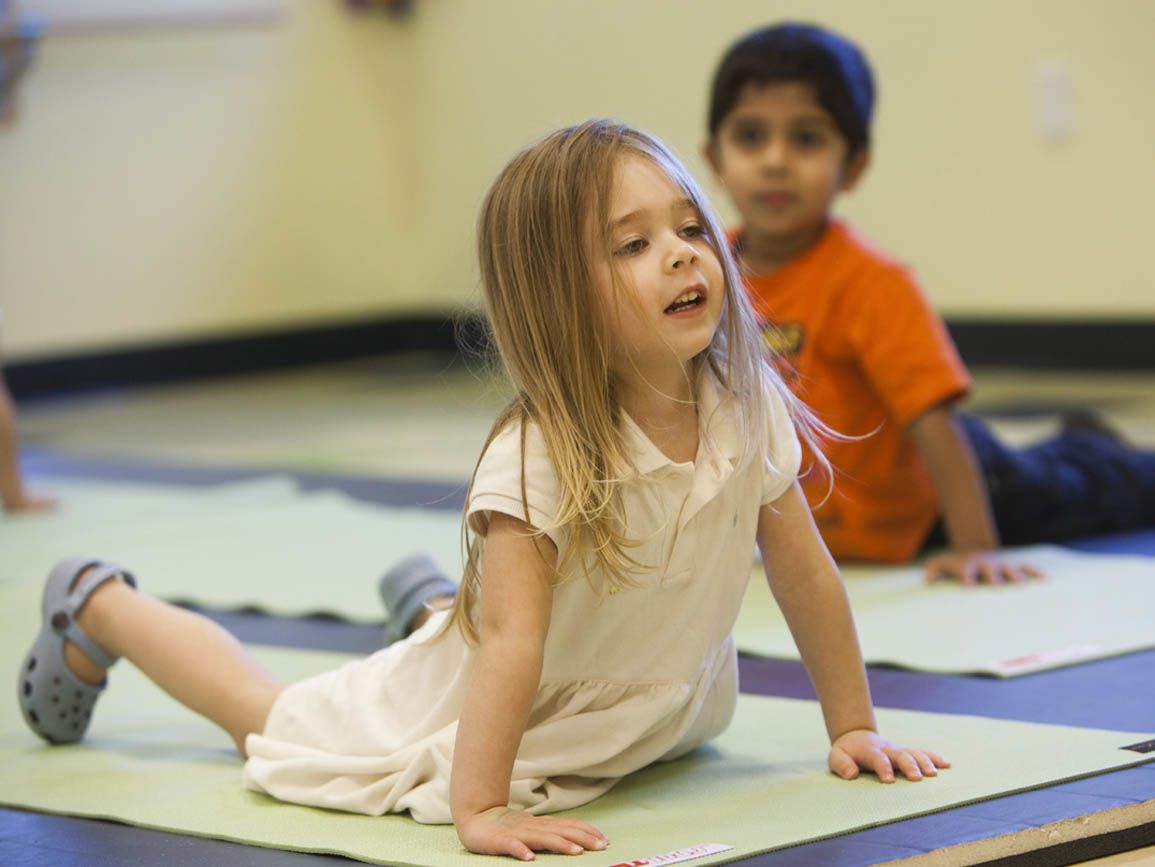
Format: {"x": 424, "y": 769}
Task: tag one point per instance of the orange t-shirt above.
{"x": 859, "y": 343}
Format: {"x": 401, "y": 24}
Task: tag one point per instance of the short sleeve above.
{"x": 783, "y": 452}
{"x": 902, "y": 344}
{"x": 497, "y": 485}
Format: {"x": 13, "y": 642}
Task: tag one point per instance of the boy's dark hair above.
{"x": 834, "y": 66}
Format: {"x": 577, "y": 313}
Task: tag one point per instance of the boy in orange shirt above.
{"x": 789, "y": 127}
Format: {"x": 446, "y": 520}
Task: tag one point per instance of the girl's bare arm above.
{"x": 809, "y": 590}
{"x": 516, "y": 601}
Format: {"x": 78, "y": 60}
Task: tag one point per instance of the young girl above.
{"x": 613, "y": 514}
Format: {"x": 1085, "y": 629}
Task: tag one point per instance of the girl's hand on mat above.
{"x": 503, "y": 831}
{"x": 978, "y": 567}
{"x": 864, "y": 750}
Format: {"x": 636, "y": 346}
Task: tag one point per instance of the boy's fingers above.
{"x": 991, "y": 572}
{"x": 970, "y": 574}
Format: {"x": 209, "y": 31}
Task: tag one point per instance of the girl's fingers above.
{"x": 556, "y": 842}
{"x": 936, "y": 761}
{"x": 592, "y": 839}
{"x": 925, "y": 763}
{"x": 514, "y": 847}
{"x": 842, "y": 764}
{"x": 906, "y": 764}
{"x": 882, "y": 767}
{"x": 586, "y": 836}
{"x": 564, "y": 836}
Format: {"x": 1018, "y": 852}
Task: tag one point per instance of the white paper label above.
{"x": 678, "y": 855}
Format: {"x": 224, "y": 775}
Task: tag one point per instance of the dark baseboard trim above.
{"x": 246, "y": 353}
{"x": 1037, "y": 344}
{"x": 1082, "y": 849}
{"x": 1056, "y": 344}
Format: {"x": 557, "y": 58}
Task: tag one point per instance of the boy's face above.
{"x": 783, "y": 160}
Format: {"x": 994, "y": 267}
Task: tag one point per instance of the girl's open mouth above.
{"x": 688, "y": 300}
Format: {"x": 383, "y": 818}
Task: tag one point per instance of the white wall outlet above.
{"x": 1054, "y": 102}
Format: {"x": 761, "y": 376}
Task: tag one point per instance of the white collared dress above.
{"x": 629, "y": 677}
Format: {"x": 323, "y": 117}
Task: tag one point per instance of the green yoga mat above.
{"x": 265, "y": 545}
{"x": 92, "y": 510}
{"x": 258, "y": 545}
{"x": 370, "y": 418}
{"x": 1089, "y": 606}
{"x": 761, "y": 786}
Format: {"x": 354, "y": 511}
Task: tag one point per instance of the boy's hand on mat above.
{"x": 864, "y": 750}
{"x": 503, "y": 831}
{"x": 978, "y": 567}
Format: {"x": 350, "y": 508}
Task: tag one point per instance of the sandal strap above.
{"x": 89, "y": 647}
{"x": 76, "y": 599}
{"x": 98, "y": 575}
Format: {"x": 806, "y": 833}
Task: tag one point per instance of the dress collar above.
{"x": 718, "y": 439}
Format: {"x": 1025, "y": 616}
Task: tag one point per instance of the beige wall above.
{"x": 164, "y": 186}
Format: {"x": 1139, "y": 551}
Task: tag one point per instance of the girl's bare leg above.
{"x": 190, "y": 657}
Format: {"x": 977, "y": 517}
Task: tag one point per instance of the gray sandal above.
{"x": 406, "y": 588}
{"x": 57, "y": 705}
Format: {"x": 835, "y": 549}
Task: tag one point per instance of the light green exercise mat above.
{"x": 1089, "y": 606}
{"x": 265, "y": 545}
{"x": 95, "y": 510}
{"x": 761, "y": 786}
{"x": 261, "y": 546}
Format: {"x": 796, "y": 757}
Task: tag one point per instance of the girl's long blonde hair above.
{"x": 537, "y": 225}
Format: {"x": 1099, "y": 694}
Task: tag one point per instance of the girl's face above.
{"x": 661, "y": 283}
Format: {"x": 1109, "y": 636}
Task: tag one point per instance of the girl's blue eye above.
{"x": 631, "y": 247}
{"x": 693, "y": 231}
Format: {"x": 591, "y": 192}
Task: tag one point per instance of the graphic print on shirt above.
{"x": 785, "y": 340}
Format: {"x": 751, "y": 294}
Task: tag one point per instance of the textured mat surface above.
{"x": 1089, "y": 606}
{"x": 761, "y": 786}
{"x": 260, "y": 544}
{"x": 265, "y": 545}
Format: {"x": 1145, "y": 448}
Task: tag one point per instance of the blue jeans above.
{"x": 1078, "y": 483}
